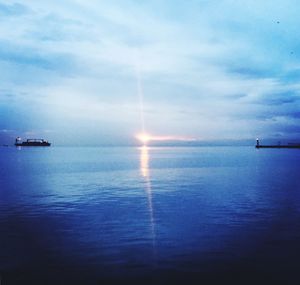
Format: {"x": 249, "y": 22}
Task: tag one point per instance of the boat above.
{"x": 290, "y": 145}
{"x": 31, "y": 142}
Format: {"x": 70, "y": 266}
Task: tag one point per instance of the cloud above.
{"x": 211, "y": 67}
{"x": 29, "y": 56}
{"x": 15, "y": 9}
{"x": 280, "y": 98}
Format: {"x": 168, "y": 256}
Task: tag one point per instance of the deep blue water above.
{"x": 169, "y": 215}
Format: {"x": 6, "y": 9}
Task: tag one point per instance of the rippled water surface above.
{"x": 149, "y": 215}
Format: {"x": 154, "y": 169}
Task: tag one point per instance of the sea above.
{"x": 149, "y": 215}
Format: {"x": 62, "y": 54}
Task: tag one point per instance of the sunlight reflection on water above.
{"x": 144, "y": 167}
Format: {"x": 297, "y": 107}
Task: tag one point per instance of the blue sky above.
{"x": 209, "y": 70}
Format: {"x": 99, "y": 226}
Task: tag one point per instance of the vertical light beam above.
{"x": 140, "y": 94}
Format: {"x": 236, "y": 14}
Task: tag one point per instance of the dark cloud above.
{"x": 30, "y": 57}
{"x": 24, "y": 56}
{"x": 235, "y": 96}
{"x": 6, "y": 94}
{"x": 292, "y": 75}
{"x": 290, "y": 129}
{"x": 273, "y": 113}
{"x": 11, "y": 96}
{"x": 278, "y": 98}
{"x": 54, "y": 28}
{"x": 15, "y": 9}
{"x": 249, "y": 72}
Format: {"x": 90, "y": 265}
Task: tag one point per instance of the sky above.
{"x": 91, "y": 72}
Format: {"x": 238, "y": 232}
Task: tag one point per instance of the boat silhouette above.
{"x": 31, "y": 142}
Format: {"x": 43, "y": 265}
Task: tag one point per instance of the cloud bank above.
{"x": 209, "y": 69}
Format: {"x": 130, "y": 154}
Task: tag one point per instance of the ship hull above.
{"x": 33, "y": 144}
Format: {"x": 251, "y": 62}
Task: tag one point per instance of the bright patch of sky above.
{"x": 209, "y": 70}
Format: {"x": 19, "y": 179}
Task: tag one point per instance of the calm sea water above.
{"x": 149, "y": 215}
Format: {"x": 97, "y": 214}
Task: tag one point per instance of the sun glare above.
{"x": 144, "y": 138}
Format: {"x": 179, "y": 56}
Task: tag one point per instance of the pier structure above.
{"x": 290, "y": 145}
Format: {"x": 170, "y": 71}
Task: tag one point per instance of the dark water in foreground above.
{"x": 149, "y": 215}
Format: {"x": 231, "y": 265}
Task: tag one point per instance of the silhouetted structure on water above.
{"x": 290, "y": 145}
{"x": 31, "y": 142}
